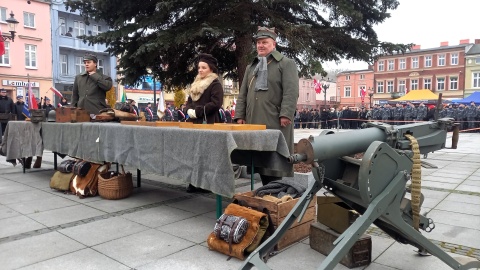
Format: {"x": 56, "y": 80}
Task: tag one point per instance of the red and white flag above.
{"x": 2, "y": 45}
{"x": 33, "y": 101}
{"x": 317, "y": 86}
{"x": 55, "y": 91}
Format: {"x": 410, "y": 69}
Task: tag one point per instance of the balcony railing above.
{"x": 78, "y": 44}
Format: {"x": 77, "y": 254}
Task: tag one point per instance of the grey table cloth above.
{"x": 201, "y": 157}
{"x": 22, "y": 139}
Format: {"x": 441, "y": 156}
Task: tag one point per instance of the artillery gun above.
{"x": 375, "y": 186}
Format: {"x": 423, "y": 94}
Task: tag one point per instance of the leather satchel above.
{"x": 258, "y": 224}
{"x": 66, "y": 166}
{"x": 61, "y": 181}
{"x": 87, "y": 186}
{"x": 81, "y": 168}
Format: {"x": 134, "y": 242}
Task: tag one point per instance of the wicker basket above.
{"x": 114, "y": 185}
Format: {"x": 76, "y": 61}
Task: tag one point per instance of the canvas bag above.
{"x": 61, "y": 181}
{"x": 258, "y": 224}
{"x": 87, "y": 186}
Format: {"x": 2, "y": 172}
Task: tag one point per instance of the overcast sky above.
{"x": 427, "y": 23}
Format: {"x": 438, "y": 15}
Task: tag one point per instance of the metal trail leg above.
{"x": 55, "y": 160}
{"x": 139, "y": 178}
{"x": 256, "y": 258}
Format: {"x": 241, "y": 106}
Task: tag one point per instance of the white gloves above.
{"x": 191, "y": 113}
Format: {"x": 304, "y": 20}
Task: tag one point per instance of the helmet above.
{"x": 51, "y": 116}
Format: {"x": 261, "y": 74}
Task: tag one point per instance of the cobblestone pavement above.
{"x": 162, "y": 227}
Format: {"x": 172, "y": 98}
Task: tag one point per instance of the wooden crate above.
{"x": 322, "y": 238}
{"x": 157, "y": 124}
{"x": 278, "y": 212}
{"x": 71, "y": 115}
{"x": 334, "y": 213}
{"x": 233, "y": 127}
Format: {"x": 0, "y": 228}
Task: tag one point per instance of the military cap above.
{"x": 90, "y": 57}
{"x": 47, "y": 99}
{"x": 2, "y": 90}
{"x": 265, "y": 32}
{"x": 19, "y": 96}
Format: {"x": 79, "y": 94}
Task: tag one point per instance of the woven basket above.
{"x": 114, "y": 185}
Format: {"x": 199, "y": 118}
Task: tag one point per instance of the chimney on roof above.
{"x": 444, "y": 44}
{"x": 477, "y": 41}
{"x": 464, "y": 41}
{"x": 415, "y": 47}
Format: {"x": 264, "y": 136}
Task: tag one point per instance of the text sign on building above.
{"x": 20, "y": 83}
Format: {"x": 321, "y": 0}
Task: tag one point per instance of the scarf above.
{"x": 261, "y": 73}
{"x": 200, "y": 84}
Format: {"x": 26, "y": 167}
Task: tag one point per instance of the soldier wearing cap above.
{"x": 19, "y": 108}
{"x": 90, "y": 87}
{"x": 47, "y": 106}
{"x": 269, "y": 93}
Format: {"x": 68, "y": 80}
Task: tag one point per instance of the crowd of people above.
{"x": 468, "y": 116}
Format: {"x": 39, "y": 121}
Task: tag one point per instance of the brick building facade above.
{"x": 350, "y": 84}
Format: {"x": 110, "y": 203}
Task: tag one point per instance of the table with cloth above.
{"x": 21, "y": 140}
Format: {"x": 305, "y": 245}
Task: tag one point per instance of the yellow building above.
{"x": 472, "y": 69}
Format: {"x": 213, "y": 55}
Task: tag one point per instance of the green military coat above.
{"x": 266, "y": 107}
{"x": 89, "y": 91}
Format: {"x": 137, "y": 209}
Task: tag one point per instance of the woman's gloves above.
{"x": 191, "y": 113}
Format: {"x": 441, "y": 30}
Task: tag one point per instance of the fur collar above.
{"x": 199, "y": 85}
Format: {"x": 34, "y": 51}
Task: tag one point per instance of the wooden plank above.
{"x": 231, "y": 127}
{"x": 310, "y": 214}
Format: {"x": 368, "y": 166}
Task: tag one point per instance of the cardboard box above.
{"x": 278, "y": 212}
{"x": 322, "y": 238}
{"x": 335, "y": 214}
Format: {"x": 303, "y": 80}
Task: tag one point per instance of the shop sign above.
{"x": 19, "y": 83}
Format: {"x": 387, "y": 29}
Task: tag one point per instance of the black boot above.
{"x": 28, "y": 163}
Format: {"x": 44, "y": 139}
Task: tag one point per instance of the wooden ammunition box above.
{"x": 71, "y": 115}
{"x": 334, "y": 213}
{"x": 37, "y": 115}
{"x": 322, "y": 238}
{"x": 278, "y": 212}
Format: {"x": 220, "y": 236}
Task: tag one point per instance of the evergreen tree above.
{"x": 166, "y": 35}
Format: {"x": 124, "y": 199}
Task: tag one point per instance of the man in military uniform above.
{"x": 408, "y": 113}
{"x": 471, "y": 113}
{"x": 47, "y": 106}
{"x": 398, "y": 114}
{"x": 460, "y": 116}
{"x": 376, "y": 113}
{"x": 421, "y": 112}
{"x": 6, "y": 107}
{"x": 451, "y": 112}
{"x": 90, "y": 87}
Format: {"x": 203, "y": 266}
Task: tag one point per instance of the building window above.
{"x": 79, "y": 28}
{"x": 454, "y": 59}
{"x": 5, "y": 58}
{"x": 391, "y": 64}
{"x": 362, "y": 76}
{"x": 428, "y": 61}
{"x": 348, "y": 91}
{"x": 414, "y": 62}
{"x": 28, "y": 19}
{"x": 97, "y": 29}
{"x": 62, "y": 28}
{"x": 476, "y": 80}
{"x": 63, "y": 64}
{"x": 401, "y": 86}
{"x": 403, "y": 63}
{"x": 427, "y": 84}
{"x": 3, "y": 15}
{"x": 477, "y": 60}
{"x": 30, "y": 56}
{"x": 360, "y": 90}
{"x": 101, "y": 67}
{"x": 347, "y": 78}
{"x": 441, "y": 60}
{"x": 381, "y": 65}
{"x": 308, "y": 96}
{"x": 389, "y": 86}
{"x": 453, "y": 83}
{"x": 414, "y": 84}
{"x": 79, "y": 66}
{"x": 440, "y": 84}
{"x": 379, "y": 87}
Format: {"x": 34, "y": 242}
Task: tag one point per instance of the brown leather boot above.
{"x": 28, "y": 163}
{"x": 38, "y": 163}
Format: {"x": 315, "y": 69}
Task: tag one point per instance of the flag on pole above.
{"x": 124, "y": 96}
{"x": 161, "y": 106}
{"x": 317, "y": 86}
{"x": 33, "y": 101}
{"x": 25, "y": 110}
{"x": 55, "y": 91}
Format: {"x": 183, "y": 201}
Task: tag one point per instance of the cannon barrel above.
{"x": 335, "y": 145}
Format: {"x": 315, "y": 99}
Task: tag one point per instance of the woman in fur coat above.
{"x": 205, "y": 93}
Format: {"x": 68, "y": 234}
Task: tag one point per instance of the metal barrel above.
{"x": 345, "y": 143}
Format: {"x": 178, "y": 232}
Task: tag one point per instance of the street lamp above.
{"x": 12, "y": 23}
{"x": 370, "y": 94}
{"x": 325, "y": 87}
